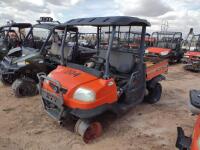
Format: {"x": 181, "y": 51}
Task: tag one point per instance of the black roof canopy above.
{"x": 18, "y": 25}
{"x": 52, "y": 26}
{"x": 109, "y": 21}
{"x": 46, "y": 25}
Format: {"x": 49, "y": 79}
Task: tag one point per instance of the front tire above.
{"x": 154, "y": 94}
{"x": 24, "y": 87}
{"x": 6, "y": 80}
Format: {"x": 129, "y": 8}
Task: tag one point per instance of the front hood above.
{"x": 191, "y": 54}
{"x": 14, "y": 50}
{"x": 22, "y": 50}
{"x": 158, "y": 50}
{"x": 70, "y": 78}
{"x": 22, "y": 53}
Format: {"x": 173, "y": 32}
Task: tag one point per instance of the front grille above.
{"x": 56, "y": 88}
{"x": 52, "y": 98}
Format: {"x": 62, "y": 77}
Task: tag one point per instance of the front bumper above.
{"x": 183, "y": 142}
{"x": 55, "y": 107}
{"x": 6, "y": 68}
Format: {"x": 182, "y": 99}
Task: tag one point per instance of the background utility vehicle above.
{"x": 12, "y": 35}
{"x": 192, "y": 56}
{"x": 40, "y": 53}
{"x": 115, "y": 79}
{"x": 167, "y": 45}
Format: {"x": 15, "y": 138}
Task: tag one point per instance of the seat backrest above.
{"x": 55, "y": 49}
{"x": 68, "y": 52}
{"x": 122, "y": 61}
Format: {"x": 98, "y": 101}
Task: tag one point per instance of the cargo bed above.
{"x": 155, "y": 67}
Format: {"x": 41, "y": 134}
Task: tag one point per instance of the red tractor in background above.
{"x": 166, "y": 45}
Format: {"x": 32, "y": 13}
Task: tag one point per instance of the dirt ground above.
{"x": 25, "y": 126}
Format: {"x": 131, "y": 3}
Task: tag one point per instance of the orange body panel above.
{"x": 156, "y": 69}
{"x": 106, "y": 90}
{"x": 71, "y": 79}
{"x": 196, "y": 135}
{"x": 158, "y": 50}
{"x": 192, "y": 54}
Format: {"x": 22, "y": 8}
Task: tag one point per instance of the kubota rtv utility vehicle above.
{"x": 116, "y": 79}
{"x": 193, "y": 142}
{"x": 11, "y": 36}
{"x": 192, "y": 56}
{"x": 40, "y": 53}
{"x": 167, "y": 45}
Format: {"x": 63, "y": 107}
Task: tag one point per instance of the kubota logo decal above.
{"x": 72, "y": 73}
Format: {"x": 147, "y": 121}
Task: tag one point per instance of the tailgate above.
{"x": 155, "y": 69}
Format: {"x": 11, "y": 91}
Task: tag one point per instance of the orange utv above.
{"x": 166, "y": 45}
{"x": 116, "y": 79}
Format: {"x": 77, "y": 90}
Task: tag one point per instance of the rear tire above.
{"x": 191, "y": 68}
{"x": 24, "y": 87}
{"x": 154, "y": 94}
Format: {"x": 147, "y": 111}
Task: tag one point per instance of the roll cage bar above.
{"x": 59, "y": 27}
{"x": 110, "y": 22}
{"x": 51, "y": 27}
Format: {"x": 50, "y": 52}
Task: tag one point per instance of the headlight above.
{"x": 146, "y": 51}
{"x": 22, "y": 63}
{"x": 164, "y": 53}
{"x": 84, "y": 95}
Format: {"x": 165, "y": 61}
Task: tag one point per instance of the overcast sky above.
{"x": 181, "y": 14}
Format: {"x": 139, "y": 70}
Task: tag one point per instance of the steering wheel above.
{"x": 98, "y": 62}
